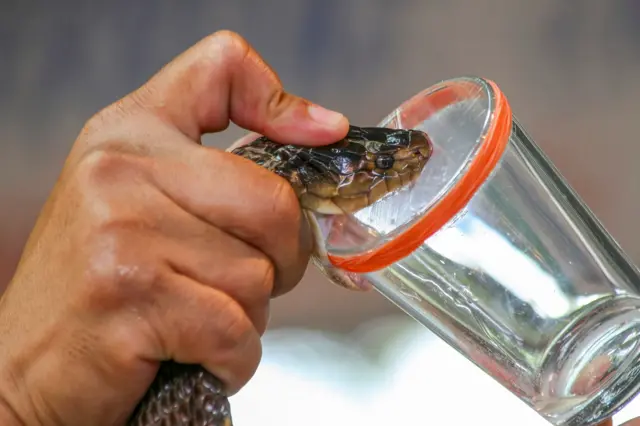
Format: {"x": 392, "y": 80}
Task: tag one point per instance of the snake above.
{"x": 341, "y": 178}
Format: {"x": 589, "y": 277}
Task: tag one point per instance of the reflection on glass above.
{"x": 528, "y": 286}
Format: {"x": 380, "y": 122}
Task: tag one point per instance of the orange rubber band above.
{"x": 479, "y": 169}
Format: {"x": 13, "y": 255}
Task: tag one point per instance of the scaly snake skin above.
{"x": 341, "y": 178}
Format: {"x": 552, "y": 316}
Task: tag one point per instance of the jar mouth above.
{"x": 469, "y": 122}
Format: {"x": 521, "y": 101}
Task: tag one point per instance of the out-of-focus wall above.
{"x": 569, "y": 69}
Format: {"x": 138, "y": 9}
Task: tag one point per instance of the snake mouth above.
{"x": 382, "y": 170}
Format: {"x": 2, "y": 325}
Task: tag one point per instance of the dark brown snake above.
{"x": 341, "y": 178}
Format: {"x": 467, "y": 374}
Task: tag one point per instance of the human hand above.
{"x": 153, "y": 247}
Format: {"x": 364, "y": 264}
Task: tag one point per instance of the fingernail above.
{"x": 324, "y": 116}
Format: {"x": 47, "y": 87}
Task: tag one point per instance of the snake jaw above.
{"x": 319, "y": 205}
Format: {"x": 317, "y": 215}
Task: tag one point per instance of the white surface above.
{"x": 392, "y": 372}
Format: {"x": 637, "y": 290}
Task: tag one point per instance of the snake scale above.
{"x": 340, "y": 178}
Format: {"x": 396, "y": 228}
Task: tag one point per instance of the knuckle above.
{"x": 119, "y": 270}
{"x": 232, "y": 44}
{"x": 100, "y": 165}
{"x": 117, "y": 273}
{"x": 223, "y": 50}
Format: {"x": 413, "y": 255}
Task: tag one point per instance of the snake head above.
{"x": 367, "y": 165}
{"x": 350, "y": 174}
{"x": 339, "y": 179}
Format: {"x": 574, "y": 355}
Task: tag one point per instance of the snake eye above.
{"x": 384, "y": 161}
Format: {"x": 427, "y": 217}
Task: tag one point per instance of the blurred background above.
{"x": 332, "y": 357}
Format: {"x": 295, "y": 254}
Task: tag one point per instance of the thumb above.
{"x": 222, "y": 79}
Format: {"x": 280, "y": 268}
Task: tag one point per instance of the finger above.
{"x": 214, "y": 258}
{"x": 632, "y": 422}
{"x": 154, "y": 227}
{"x": 180, "y": 318}
{"x": 221, "y": 189}
{"x": 196, "y": 324}
{"x": 221, "y": 79}
{"x": 247, "y": 202}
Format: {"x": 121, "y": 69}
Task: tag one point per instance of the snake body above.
{"x": 342, "y": 178}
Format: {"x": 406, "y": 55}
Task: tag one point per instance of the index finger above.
{"x": 222, "y": 79}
